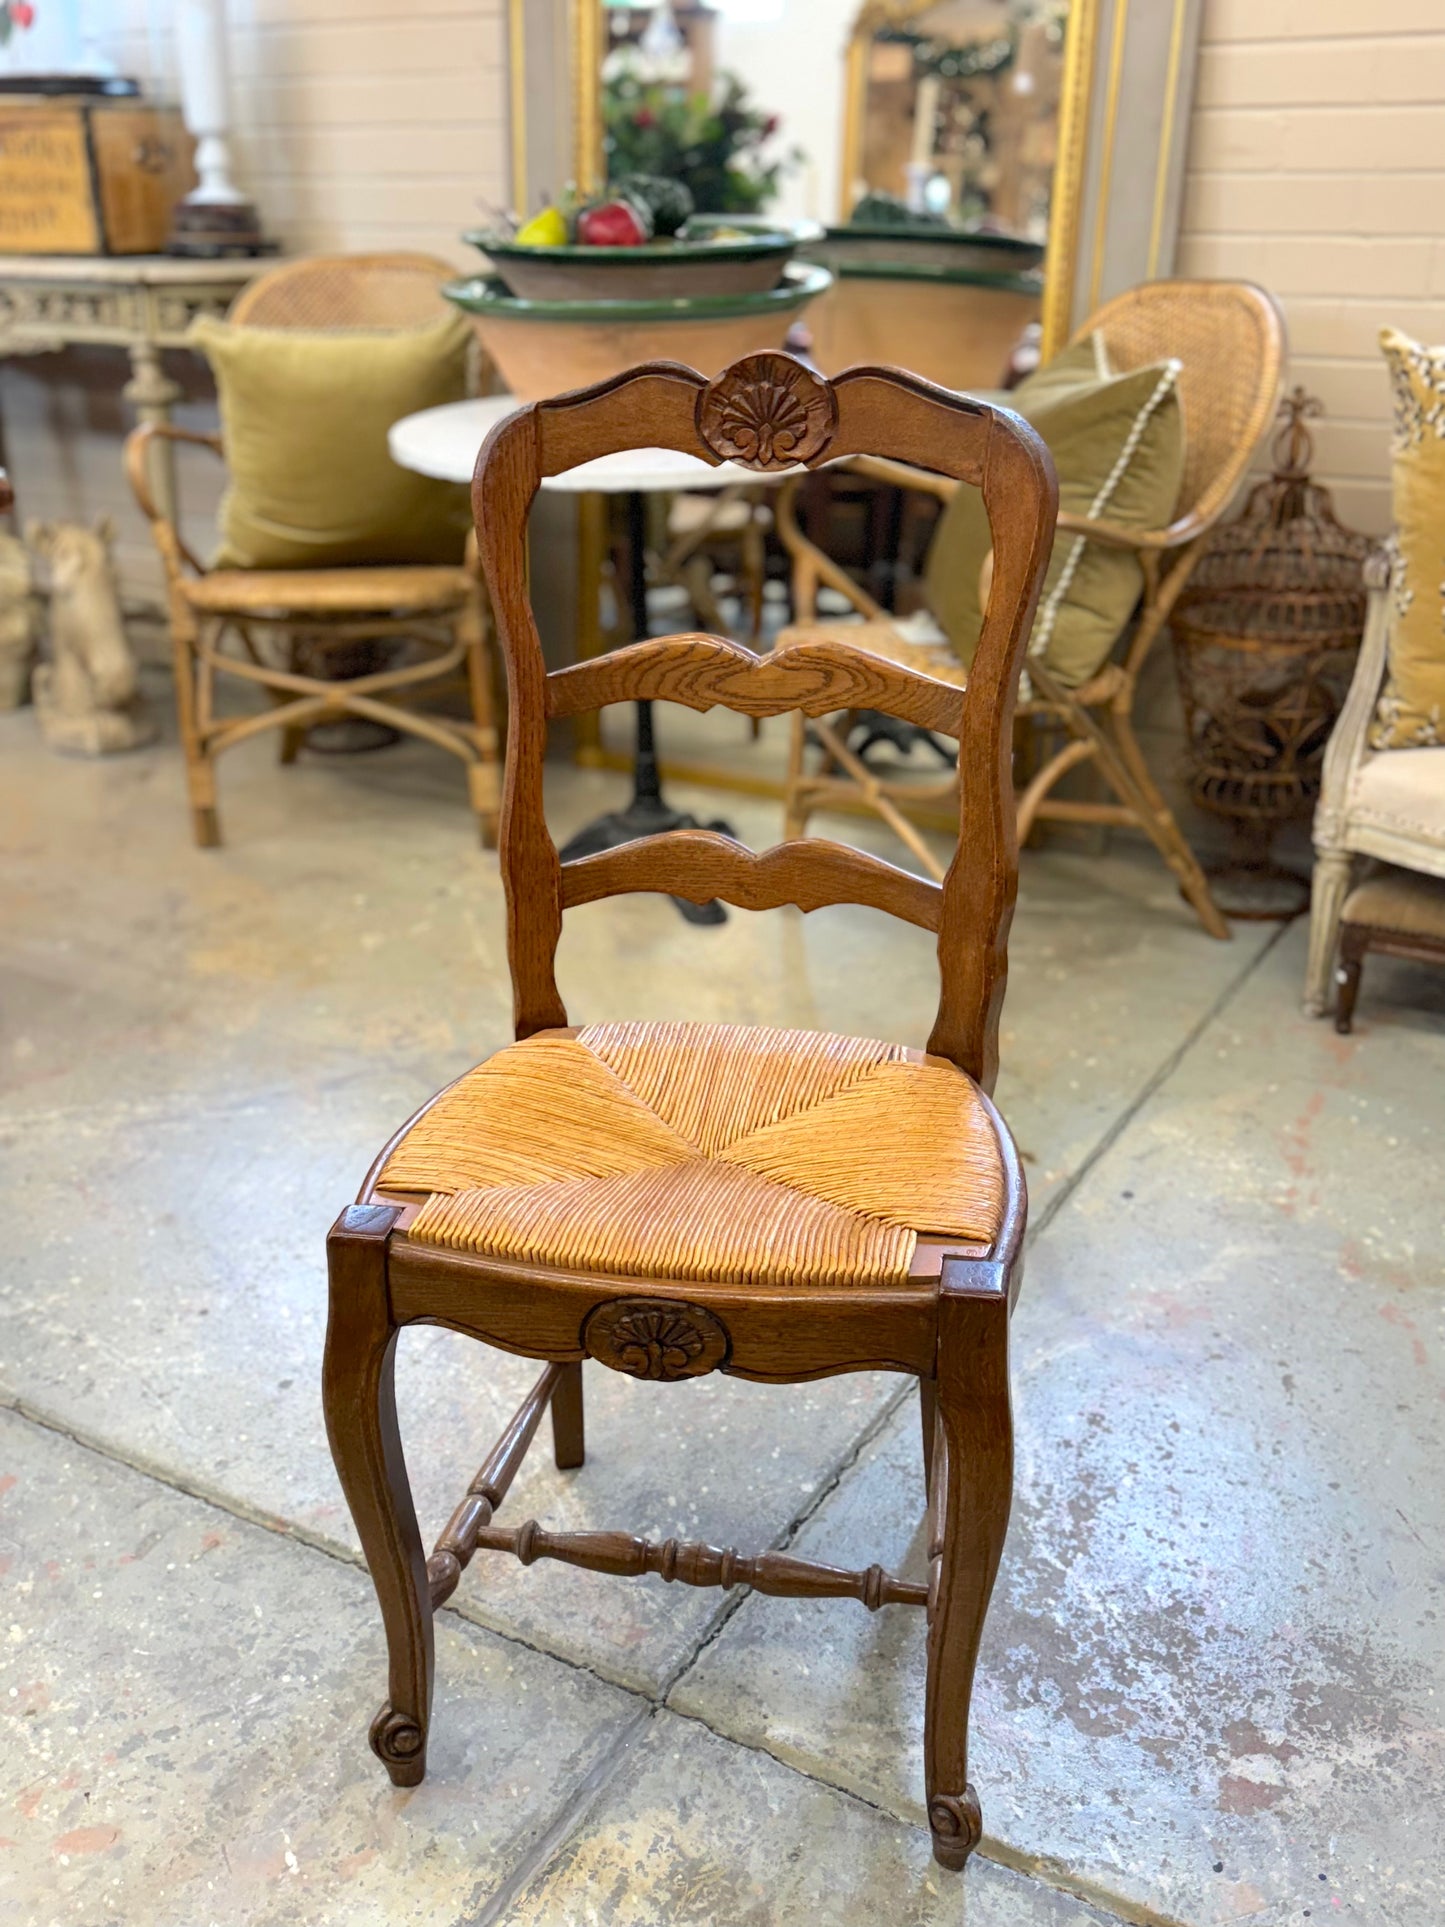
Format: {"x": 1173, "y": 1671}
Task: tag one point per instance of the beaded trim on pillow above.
{"x": 1048, "y": 615}
{"x": 704, "y": 1152}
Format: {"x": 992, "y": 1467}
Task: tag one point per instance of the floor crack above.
{"x": 1153, "y": 1083}
{"x": 564, "y": 1823}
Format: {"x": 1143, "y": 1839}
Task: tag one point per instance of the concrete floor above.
{"x": 1214, "y": 1676}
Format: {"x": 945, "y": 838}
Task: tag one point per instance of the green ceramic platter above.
{"x": 489, "y": 295}
{"x": 932, "y": 254}
{"x": 929, "y": 271}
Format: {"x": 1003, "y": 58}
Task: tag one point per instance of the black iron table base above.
{"x": 648, "y": 814}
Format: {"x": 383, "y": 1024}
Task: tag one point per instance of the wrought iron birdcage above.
{"x": 1264, "y": 644}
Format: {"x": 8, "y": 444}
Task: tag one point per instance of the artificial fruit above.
{"x": 614, "y": 224}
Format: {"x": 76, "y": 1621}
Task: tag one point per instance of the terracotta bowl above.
{"x": 669, "y": 270}
{"x": 543, "y": 348}
{"x": 957, "y": 329}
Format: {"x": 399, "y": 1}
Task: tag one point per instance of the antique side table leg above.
{"x": 153, "y": 394}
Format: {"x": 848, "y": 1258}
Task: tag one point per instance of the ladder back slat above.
{"x": 701, "y": 865}
{"x": 705, "y": 672}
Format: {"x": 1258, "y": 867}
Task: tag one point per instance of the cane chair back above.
{"x": 770, "y": 412}
{"x": 1227, "y": 338}
{"x": 346, "y": 291}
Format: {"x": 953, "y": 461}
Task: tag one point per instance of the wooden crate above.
{"x": 86, "y": 176}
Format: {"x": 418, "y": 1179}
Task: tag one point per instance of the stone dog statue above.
{"x": 86, "y": 694}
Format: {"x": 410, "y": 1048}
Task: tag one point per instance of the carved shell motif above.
{"x": 657, "y": 1338}
{"x": 767, "y": 412}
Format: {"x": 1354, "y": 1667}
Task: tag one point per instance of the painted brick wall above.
{"x": 356, "y": 124}
{"x": 1317, "y": 167}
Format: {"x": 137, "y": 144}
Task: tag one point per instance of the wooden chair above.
{"x": 673, "y": 1199}
{"x": 283, "y": 625}
{"x": 1229, "y": 338}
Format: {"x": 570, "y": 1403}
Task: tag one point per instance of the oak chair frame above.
{"x": 947, "y": 1324}
{"x": 1097, "y": 718}
{"x": 236, "y": 623}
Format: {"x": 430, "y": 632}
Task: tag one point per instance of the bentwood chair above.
{"x": 290, "y": 632}
{"x": 672, "y": 1199}
{"x": 1228, "y": 338}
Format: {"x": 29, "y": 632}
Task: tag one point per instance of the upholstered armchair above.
{"x": 1387, "y": 803}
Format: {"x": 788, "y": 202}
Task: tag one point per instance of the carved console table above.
{"x": 140, "y": 302}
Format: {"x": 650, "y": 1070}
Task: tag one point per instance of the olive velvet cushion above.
{"x": 1411, "y": 713}
{"x": 1118, "y": 444}
{"x": 304, "y": 418}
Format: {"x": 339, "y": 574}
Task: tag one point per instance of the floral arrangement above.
{"x": 713, "y": 143}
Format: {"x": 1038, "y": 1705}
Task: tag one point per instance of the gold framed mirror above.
{"x": 972, "y": 111}
{"x": 1123, "y": 77}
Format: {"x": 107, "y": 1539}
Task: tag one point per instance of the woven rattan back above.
{"x": 346, "y": 291}
{"x": 1229, "y": 339}
{"x": 769, "y": 412}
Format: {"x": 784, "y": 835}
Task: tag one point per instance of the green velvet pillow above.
{"x": 1118, "y": 444}
{"x": 304, "y": 418}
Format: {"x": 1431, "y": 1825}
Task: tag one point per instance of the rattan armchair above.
{"x": 1229, "y": 339}
{"x": 290, "y": 632}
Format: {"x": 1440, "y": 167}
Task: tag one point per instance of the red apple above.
{"x": 612, "y": 224}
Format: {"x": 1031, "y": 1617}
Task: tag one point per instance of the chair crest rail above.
{"x": 703, "y": 672}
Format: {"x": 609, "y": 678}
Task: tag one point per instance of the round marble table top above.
{"x": 443, "y": 443}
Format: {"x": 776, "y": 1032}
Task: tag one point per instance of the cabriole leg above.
{"x": 360, "y": 1402}
{"x": 972, "y": 1486}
